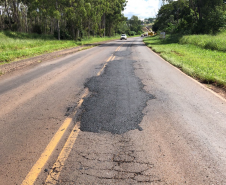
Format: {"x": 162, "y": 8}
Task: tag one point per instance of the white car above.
{"x": 123, "y": 36}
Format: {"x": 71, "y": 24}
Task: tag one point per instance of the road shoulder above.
{"x": 29, "y": 62}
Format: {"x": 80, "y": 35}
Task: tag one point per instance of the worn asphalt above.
{"x": 142, "y": 121}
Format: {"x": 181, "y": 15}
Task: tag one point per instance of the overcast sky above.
{"x": 142, "y": 8}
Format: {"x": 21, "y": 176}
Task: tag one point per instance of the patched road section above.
{"x": 142, "y": 122}
{"x": 117, "y": 100}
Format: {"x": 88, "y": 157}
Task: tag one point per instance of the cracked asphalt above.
{"x": 109, "y": 159}
{"x": 142, "y": 122}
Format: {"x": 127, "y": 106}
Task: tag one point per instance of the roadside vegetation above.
{"x": 15, "y": 45}
{"x": 198, "y": 59}
{"x": 30, "y": 28}
{"x": 131, "y": 26}
{"x": 195, "y": 38}
{"x": 213, "y": 42}
{"x": 67, "y": 19}
{"x": 191, "y": 17}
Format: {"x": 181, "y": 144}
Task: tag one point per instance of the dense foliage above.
{"x": 191, "y": 16}
{"x": 132, "y": 26}
{"x": 66, "y": 19}
{"x": 149, "y": 20}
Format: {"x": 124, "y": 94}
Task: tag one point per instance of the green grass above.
{"x": 15, "y": 46}
{"x": 207, "y": 65}
{"x": 213, "y": 42}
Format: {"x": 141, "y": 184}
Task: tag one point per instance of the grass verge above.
{"x": 16, "y": 46}
{"x": 209, "y": 66}
{"x": 213, "y": 42}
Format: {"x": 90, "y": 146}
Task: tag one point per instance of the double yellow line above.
{"x": 59, "y": 164}
{"x": 36, "y": 169}
{"x": 102, "y": 69}
{"x": 119, "y": 47}
{"x": 111, "y": 58}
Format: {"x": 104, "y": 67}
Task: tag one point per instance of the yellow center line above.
{"x": 119, "y": 47}
{"x": 109, "y": 59}
{"x": 54, "y": 175}
{"x": 36, "y": 169}
{"x": 59, "y": 164}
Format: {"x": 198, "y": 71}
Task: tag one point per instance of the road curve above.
{"x": 142, "y": 121}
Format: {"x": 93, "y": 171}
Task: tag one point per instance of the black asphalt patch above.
{"x": 117, "y": 100}
{"x": 122, "y": 53}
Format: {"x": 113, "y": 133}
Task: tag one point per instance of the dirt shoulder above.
{"x": 219, "y": 90}
{"x": 28, "y": 62}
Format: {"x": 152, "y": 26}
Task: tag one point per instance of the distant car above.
{"x": 145, "y": 34}
{"x": 123, "y": 36}
{"x": 142, "y": 35}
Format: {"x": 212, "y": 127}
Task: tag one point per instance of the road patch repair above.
{"x": 116, "y": 102}
{"x": 104, "y": 152}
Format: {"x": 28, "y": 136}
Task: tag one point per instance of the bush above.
{"x": 36, "y": 29}
{"x": 155, "y": 27}
{"x": 132, "y": 33}
{"x": 14, "y": 27}
{"x": 64, "y": 35}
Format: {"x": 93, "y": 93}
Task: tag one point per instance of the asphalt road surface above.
{"x": 113, "y": 114}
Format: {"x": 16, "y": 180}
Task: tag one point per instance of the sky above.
{"x": 142, "y": 8}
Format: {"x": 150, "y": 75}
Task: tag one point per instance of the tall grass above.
{"x": 14, "y": 45}
{"x": 213, "y": 42}
{"x": 207, "y": 65}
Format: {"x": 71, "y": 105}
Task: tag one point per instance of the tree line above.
{"x": 149, "y": 20}
{"x": 132, "y": 26}
{"x": 67, "y": 19}
{"x": 191, "y": 16}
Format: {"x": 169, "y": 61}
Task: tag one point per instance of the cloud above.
{"x": 142, "y": 8}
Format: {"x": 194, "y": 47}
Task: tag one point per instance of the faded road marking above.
{"x": 109, "y": 59}
{"x": 36, "y": 169}
{"x": 118, "y": 48}
{"x": 59, "y": 164}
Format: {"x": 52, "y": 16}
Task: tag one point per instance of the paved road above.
{"x": 113, "y": 114}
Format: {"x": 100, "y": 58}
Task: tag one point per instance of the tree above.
{"x": 135, "y": 24}
{"x": 65, "y": 18}
{"x": 191, "y": 16}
